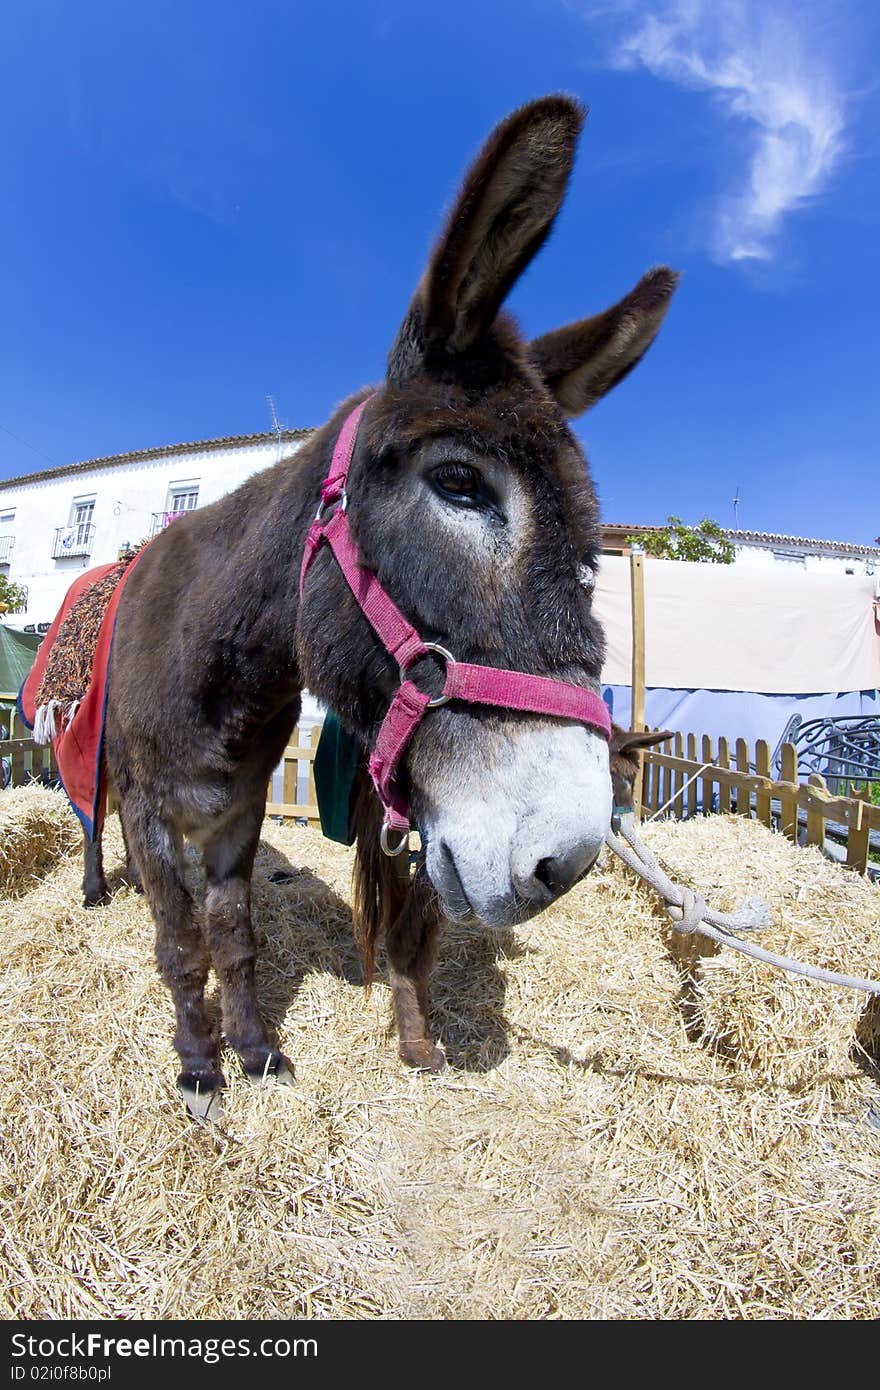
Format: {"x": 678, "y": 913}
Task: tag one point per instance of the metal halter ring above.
{"x": 386, "y": 848}
{"x": 450, "y": 661}
{"x": 342, "y": 499}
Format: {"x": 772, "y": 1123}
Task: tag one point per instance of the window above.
{"x": 791, "y": 557}
{"x": 182, "y": 497}
{"x": 82, "y": 511}
{"x": 77, "y": 536}
{"x": 7, "y": 540}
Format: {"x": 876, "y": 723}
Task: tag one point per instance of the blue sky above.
{"x": 203, "y": 204}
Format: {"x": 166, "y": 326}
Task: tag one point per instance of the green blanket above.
{"x": 336, "y": 761}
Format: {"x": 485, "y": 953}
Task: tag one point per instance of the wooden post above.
{"x": 637, "y": 713}
{"x": 647, "y": 774}
{"x": 743, "y": 797}
{"x": 788, "y": 801}
{"x": 815, "y": 819}
{"x": 692, "y": 791}
{"x": 659, "y": 782}
{"x": 677, "y": 809}
{"x": 762, "y": 768}
{"x": 723, "y": 760}
{"x": 290, "y": 774}
{"x": 858, "y": 839}
{"x": 312, "y": 797}
{"x": 708, "y": 784}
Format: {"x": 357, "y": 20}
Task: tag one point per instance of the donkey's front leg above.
{"x": 411, "y": 945}
{"x": 181, "y": 955}
{"x": 229, "y": 860}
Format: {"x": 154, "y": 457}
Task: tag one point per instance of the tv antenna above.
{"x": 736, "y": 510}
{"x": 277, "y": 428}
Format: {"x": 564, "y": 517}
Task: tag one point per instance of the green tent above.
{"x": 17, "y": 652}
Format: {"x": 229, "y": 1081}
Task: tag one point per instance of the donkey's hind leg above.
{"x": 229, "y": 861}
{"x": 95, "y": 890}
{"x": 132, "y": 872}
{"x": 411, "y": 945}
{"x": 181, "y": 955}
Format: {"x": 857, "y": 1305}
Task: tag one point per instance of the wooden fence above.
{"x": 298, "y": 767}
{"x": 27, "y": 761}
{"x": 686, "y": 774}
{"x": 689, "y": 772}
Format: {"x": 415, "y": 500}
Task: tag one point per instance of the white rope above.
{"x": 682, "y": 789}
{"x": 689, "y": 913}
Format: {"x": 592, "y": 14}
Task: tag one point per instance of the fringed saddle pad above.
{"x": 64, "y": 695}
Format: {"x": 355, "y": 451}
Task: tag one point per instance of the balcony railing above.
{"x": 163, "y": 519}
{"x": 73, "y": 540}
{"x": 7, "y": 545}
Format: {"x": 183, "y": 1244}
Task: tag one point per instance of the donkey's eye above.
{"x": 459, "y": 483}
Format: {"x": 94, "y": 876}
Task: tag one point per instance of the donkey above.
{"x": 470, "y": 502}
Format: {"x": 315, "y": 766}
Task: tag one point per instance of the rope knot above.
{"x": 690, "y": 915}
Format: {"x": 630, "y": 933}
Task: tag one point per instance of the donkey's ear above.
{"x": 582, "y": 362}
{"x": 627, "y": 740}
{"x": 500, "y": 219}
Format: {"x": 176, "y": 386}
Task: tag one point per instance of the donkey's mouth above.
{"x": 502, "y": 911}
{"x": 456, "y": 903}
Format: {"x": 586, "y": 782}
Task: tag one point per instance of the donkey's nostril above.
{"x": 545, "y": 873}
{"x": 554, "y": 875}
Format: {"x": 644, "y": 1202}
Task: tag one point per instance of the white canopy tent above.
{"x": 735, "y": 651}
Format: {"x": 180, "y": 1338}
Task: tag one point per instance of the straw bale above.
{"x": 783, "y": 1025}
{"x": 37, "y": 827}
{"x": 588, "y": 1153}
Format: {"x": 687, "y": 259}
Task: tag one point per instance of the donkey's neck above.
{"x": 244, "y": 583}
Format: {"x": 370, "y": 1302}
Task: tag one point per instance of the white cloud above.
{"x": 760, "y": 61}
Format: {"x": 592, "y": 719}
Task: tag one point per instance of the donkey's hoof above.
{"x": 421, "y": 1053}
{"x": 97, "y": 897}
{"x": 274, "y": 1068}
{"x": 204, "y": 1100}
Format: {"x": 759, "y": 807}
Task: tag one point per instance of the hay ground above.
{"x": 626, "y": 1129}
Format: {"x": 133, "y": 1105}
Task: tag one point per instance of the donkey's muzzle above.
{"x": 554, "y": 875}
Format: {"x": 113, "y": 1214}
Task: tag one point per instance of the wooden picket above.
{"x": 743, "y": 797}
{"x": 763, "y": 808}
{"x": 692, "y": 791}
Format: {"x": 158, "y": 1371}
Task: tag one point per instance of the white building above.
{"x": 763, "y": 548}
{"x": 766, "y": 549}
{"x": 60, "y": 521}
{"x": 55, "y": 523}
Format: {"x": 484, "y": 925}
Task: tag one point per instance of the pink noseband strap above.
{"x": 481, "y": 685}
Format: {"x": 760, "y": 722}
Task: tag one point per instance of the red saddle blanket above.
{"x": 78, "y": 743}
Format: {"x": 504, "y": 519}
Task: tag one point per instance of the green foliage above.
{"x": 676, "y": 541}
{"x": 13, "y": 598}
{"x": 872, "y": 788}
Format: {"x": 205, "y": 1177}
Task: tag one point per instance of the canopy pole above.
{"x": 637, "y": 715}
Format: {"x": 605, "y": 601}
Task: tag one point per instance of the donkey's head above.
{"x": 470, "y": 499}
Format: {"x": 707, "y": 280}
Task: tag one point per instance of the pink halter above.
{"x": 482, "y": 685}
